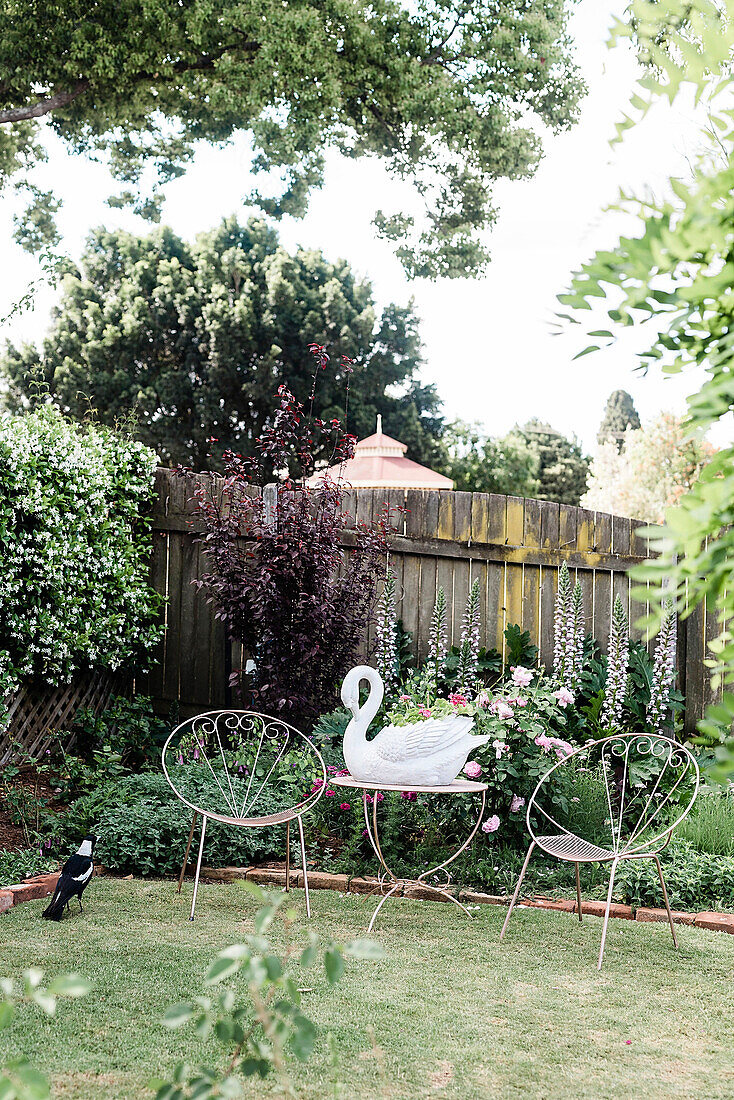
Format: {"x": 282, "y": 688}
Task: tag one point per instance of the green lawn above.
{"x": 453, "y": 1012}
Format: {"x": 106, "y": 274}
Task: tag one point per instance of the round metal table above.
{"x": 385, "y": 876}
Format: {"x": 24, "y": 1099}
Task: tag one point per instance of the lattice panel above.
{"x": 38, "y": 712}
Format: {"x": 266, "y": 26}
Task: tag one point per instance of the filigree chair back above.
{"x": 243, "y": 768}
{"x": 624, "y": 795}
{"x": 247, "y": 769}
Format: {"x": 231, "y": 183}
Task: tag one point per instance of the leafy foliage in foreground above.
{"x": 19, "y": 1078}
{"x": 443, "y": 92}
{"x": 257, "y": 1031}
{"x": 676, "y": 275}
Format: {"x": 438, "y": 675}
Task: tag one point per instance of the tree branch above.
{"x": 44, "y": 106}
{"x": 202, "y": 63}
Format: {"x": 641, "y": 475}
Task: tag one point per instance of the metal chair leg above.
{"x": 186, "y": 857}
{"x": 606, "y": 913}
{"x": 667, "y": 903}
{"x": 517, "y": 888}
{"x": 305, "y": 869}
{"x": 198, "y": 865}
{"x": 578, "y": 892}
{"x": 288, "y": 857}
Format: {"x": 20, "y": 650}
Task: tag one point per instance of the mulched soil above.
{"x": 11, "y": 834}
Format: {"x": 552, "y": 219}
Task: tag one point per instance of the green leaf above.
{"x": 179, "y": 1014}
{"x": 364, "y": 949}
{"x": 309, "y": 955}
{"x": 69, "y": 985}
{"x": 45, "y": 1001}
{"x": 221, "y": 968}
{"x": 303, "y": 1038}
{"x": 334, "y": 964}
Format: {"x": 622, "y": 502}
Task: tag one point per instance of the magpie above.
{"x": 75, "y": 874}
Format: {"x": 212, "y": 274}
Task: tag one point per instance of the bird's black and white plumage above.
{"x": 75, "y": 874}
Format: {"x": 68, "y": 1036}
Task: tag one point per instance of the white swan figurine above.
{"x": 430, "y": 753}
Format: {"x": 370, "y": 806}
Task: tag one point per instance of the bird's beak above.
{"x": 350, "y": 697}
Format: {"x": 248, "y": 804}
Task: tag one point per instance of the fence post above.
{"x": 270, "y": 502}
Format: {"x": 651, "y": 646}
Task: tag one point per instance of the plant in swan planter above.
{"x": 429, "y": 753}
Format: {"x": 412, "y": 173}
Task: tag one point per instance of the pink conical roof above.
{"x": 380, "y": 463}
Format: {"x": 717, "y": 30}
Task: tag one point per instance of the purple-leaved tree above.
{"x": 277, "y": 571}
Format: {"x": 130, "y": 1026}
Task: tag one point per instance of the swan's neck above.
{"x": 355, "y": 735}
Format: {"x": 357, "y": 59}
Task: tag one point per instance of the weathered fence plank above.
{"x": 513, "y": 546}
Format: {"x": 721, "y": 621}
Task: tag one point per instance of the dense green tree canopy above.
{"x": 194, "y": 340}
{"x": 563, "y": 469}
{"x": 444, "y": 91}
{"x": 481, "y": 464}
{"x": 620, "y": 415}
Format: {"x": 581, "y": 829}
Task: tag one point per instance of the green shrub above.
{"x": 16, "y": 866}
{"x": 695, "y": 880}
{"x": 710, "y": 825}
{"x": 142, "y": 828}
{"x": 127, "y": 727}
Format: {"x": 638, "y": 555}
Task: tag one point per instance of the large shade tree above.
{"x": 191, "y": 341}
{"x": 479, "y": 463}
{"x": 563, "y": 468}
{"x": 446, "y": 92}
{"x": 652, "y": 469}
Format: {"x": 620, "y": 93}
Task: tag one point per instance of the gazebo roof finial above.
{"x": 379, "y": 423}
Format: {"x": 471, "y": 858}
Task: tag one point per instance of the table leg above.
{"x": 374, "y": 838}
{"x": 464, "y": 846}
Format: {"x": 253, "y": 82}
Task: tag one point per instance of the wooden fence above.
{"x": 513, "y": 546}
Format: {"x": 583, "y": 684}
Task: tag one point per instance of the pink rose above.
{"x": 523, "y": 677}
{"x": 458, "y": 700}
{"x": 491, "y": 825}
{"x": 516, "y": 804}
{"x": 501, "y": 709}
{"x": 518, "y": 701}
{"x": 543, "y": 741}
{"x": 472, "y": 769}
{"x": 564, "y": 697}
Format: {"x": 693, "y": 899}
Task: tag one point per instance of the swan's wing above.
{"x": 421, "y": 738}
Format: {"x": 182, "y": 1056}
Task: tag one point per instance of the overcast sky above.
{"x": 489, "y": 343}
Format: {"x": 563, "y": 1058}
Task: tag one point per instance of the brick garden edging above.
{"x": 40, "y": 886}
{"x": 43, "y": 885}
{"x": 346, "y": 884}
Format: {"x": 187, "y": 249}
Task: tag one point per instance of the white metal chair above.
{"x": 224, "y": 763}
{"x": 649, "y": 785}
